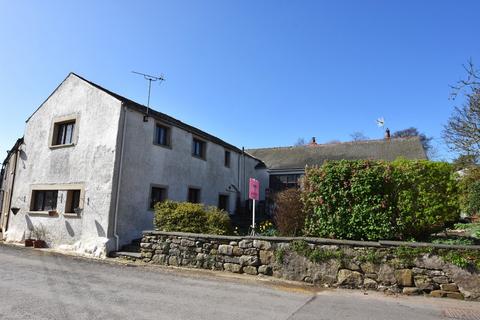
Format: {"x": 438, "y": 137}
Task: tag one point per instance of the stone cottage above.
{"x": 92, "y": 164}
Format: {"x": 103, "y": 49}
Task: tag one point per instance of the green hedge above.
{"x": 371, "y": 200}
{"x": 191, "y": 217}
{"x": 470, "y": 190}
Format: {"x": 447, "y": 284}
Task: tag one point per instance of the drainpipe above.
{"x": 244, "y": 181}
{"x": 11, "y": 188}
{"x": 119, "y": 180}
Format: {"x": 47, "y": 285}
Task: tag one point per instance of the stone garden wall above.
{"x": 394, "y": 267}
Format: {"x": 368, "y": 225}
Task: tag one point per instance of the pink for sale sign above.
{"x": 254, "y": 189}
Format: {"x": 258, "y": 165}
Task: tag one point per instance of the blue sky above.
{"x": 255, "y": 73}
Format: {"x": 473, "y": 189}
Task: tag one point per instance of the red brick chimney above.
{"x": 313, "y": 142}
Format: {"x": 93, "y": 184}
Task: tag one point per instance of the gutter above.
{"x": 119, "y": 180}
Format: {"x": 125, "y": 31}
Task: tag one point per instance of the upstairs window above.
{"x": 162, "y": 135}
{"x": 193, "y": 195}
{"x": 63, "y": 133}
{"x": 227, "y": 158}
{"x": 157, "y": 194}
{"x": 44, "y": 200}
{"x": 198, "y": 148}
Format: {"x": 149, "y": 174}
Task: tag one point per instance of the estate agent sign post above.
{"x": 253, "y": 193}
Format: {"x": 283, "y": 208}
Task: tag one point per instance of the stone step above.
{"x": 137, "y": 241}
{"x": 125, "y": 254}
{"x": 131, "y": 248}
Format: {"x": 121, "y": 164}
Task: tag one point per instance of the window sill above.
{"x": 71, "y": 215}
{"x": 39, "y": 213}
{"x": 163, "y": 145}
{"x": 198, "y": 157}
{"x": 59, "y": 146}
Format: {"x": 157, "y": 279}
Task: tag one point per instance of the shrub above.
{"x": 349, "y": 200}
{"x": 371, "y": 200}
{"x": 426, "y": 196}
{"x": 289, "y": 213}
{"x": 470, "y": 191}
{"x": 191, "y": 217}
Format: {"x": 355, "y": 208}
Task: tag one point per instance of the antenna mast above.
{"x": 150, "y": 79}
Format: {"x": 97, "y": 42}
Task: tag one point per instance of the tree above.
{"x": 358, "y": 136}
{"x": 462, "y": 131}
{"x": 300, "y": 142}
{"x": 413, "y": 132}
{"x": 465, "y": 161}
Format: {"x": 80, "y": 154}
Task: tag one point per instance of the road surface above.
{"x": 41, "y": 285}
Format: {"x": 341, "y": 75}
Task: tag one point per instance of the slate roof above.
{"x": 298, "y": 157}
{"x": 156, "y": 115}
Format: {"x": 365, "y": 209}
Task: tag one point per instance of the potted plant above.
{"x": 28, "y": 240}
{"x": 40, "y": 234}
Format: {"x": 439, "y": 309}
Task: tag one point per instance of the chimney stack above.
{"x": 313, "y": 142}
{"x": 387, "y": 134}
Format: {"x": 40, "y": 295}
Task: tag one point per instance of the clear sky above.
{"x": 255, "y": 73}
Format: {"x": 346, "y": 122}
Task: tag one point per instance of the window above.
{"x": 227, "y": 159}
{"x": 285, "y": 181}
{"x": 73, "y": 201}
{"x": 223, "y": 202}
{"x": 63, "y": 133}
{"x": 198, "y": 148}
{"x": 157, "y": 194}
{"x": 193, "y": 195}
{"x": 162, "y": 135}
{"x": 44, "y": 200}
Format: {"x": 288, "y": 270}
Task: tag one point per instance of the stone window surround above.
{"x": 154, "y": 185}
{"x": 59, "y": 187}
{"x": 61, "y": 119}
{"x": 169, "y": 135}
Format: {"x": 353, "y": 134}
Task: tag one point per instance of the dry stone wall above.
{"x": 392, "y": 267}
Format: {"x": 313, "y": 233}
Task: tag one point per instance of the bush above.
{"x": 191, "y": 217}
{"x": 470, "y": 191}
{"x": 289, "y": 213}
{"x": 371, "y": 200}
{"x": 350, "y": 200}
{"x": 427, "y": 196}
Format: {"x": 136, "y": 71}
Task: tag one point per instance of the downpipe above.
{"x": 119, "y": 181}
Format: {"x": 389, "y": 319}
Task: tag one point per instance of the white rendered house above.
{"x": 92, "y": 164}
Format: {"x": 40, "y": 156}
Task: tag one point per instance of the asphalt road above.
{"x": 40, "y": 285}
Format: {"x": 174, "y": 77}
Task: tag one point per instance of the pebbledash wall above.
{"x": 393, "y": 267}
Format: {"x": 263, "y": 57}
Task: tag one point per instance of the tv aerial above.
{"x": 381, "y": 122}
{"x": 149, "y": 78}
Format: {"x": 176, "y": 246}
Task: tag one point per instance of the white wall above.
{"x": 89, "y": 163}
{"x": 146, "y": 163}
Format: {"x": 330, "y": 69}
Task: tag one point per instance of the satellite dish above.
{"x": 381, "y": 122}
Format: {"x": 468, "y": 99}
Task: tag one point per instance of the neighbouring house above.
{"x": 92, "y": 164}
{"x": 285, "y": 165}
{"x": 7, "y": 178}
